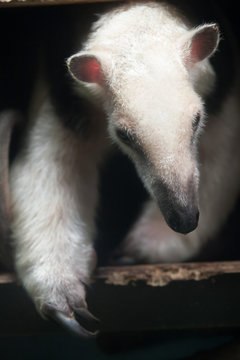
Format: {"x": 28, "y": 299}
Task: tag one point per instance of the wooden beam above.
{"x": 155, "y": 275}
{"x": 163, "y": 274}
{"x": 18, "y": 3}
{"x": 169, "y": 297}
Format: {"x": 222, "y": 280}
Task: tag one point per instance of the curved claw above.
{"x": 70, "y": 323}
{"x": 83, "y": 313}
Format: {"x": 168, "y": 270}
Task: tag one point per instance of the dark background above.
{"x": 22, "y": 32}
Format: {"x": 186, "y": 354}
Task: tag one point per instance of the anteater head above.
{"x": 152, "y": 80}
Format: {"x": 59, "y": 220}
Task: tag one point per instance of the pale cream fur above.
{"x": 155, "y": 94}
{"x": 150, "y": 87}
{"x": 152, "y": 240}
{"x": 151, "y": 54}
{"x": 54, "y": 197}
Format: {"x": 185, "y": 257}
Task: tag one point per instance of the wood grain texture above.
{"x": 17, "y": 3}
{"x": 197, "y": 297}
{"x": 163, "y": 274}
{"x": 154, "y": 275}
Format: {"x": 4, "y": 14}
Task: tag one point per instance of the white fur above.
{"x": 54, "y": 194}
{"x": 155, "y": 94}
{"x": 152, "y": 240}
{"x": 152, "y": 89}
{"x": 151, "y": 53}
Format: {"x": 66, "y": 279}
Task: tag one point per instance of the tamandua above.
{"x": 145, "y": 72}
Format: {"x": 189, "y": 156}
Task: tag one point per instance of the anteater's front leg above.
{"x": 54, "y": 195}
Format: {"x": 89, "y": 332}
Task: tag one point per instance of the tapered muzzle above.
{"x": 180, "y": 210}
{"x": 181, "y": 220}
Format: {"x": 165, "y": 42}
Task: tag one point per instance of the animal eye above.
{"x": 196, "y": 121}
{"x": 124, "y": 136}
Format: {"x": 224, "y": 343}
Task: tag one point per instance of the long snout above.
{"x": 179, "y": 208}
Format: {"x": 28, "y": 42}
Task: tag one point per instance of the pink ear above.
{"x": 85, "y": 68}
{"x": 204, "y": 42}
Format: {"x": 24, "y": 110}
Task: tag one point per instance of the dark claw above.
{"x": 70, "y": 323}
{"x": 83, "y": 313}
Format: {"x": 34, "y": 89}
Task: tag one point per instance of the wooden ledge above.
{"x": 167, "y": 297}
{"x": 154, "y": 275}
{"x": 18, "y": 3}
{"x": 163, "y": 274}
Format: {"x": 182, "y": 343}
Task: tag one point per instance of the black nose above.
{"x": 181, "y": 216}
{"x": 183, "y": 221}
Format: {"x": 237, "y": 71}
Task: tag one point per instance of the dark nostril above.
{"x": 197, "y": 217}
